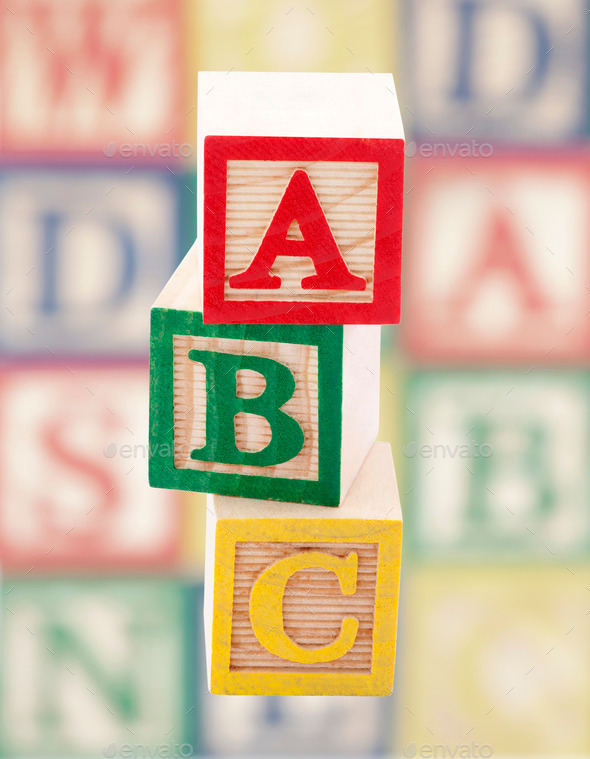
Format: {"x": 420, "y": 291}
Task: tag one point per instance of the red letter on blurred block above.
{"x": 498, "y": 267}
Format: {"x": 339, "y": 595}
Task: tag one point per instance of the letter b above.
{"x": 223, "y": 404}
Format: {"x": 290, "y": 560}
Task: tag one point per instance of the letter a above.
{"x": 299, "y": 203}
{"x": 502, "y": 252}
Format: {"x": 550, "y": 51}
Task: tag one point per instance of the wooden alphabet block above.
{"x": 301, "y": 181}
{"x": 133, "y": 239}
{"x": 300, "y": 600}
{"x": 91, "y": 666}
{"x": 498, "y": 464}
{"x": 124, "y": 91}
{"x": 540, "y": 92}
{"x": 83, "y": 431}
{"x": 504, "y": 651}
{"x": 510, "y": 282}
{"x": 282, "y": 412}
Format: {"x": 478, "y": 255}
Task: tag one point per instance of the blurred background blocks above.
{"x": 497, "y": 264}
{"x": 73, "y": 463}
{"x": 499, "y": 464}
{"x": 502, "y": 71}
{"x": 91, "y": 76}
{"x": 96, "y": 664}
{"x": 266, "y": 725}
{"x": 336, "y": 35}
{"x": 83, "y": 254}
{"x": 504, "y": 654}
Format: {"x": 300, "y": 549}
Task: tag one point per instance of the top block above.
{"x": 300, "y": 186}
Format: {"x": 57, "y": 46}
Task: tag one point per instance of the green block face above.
{"x": 91, "y": 667}
{"x": 498, "y": 464}
{"x": 246, "y": 410}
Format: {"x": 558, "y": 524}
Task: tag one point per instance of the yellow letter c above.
{"x": 266, "y": 606}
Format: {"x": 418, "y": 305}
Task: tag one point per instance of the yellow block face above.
{"x": 305, "y": 606}
{"x": 194, "y": 509}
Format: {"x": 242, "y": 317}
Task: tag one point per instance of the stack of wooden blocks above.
{"x": 265, "y": 379}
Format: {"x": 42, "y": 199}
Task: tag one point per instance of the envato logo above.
{"x": 449, "y": 149}
{"x": 442, "y": 751}
{"x": 144, "y": 751}
{"x": 138, "y": 451}
{"x": 470, "y": 450}
{"x": 145, "y": 150}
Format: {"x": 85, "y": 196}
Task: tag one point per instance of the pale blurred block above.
{"x": 334, "y": 35}
{"x": 511, "y": 71}
{"x": 91, "y": 666}
{"x": 496, "y": 657}
{"x": 391, "y": 410}
{"x": 83, "y": 254}
{"x": 295, "y": 726}
{"x": 74, "y": 491}
{"x": 496, "y": 256}
{"x": 194, "y": 510}
{"x": 81, "y": 75}
{"x": 497, "y": 464}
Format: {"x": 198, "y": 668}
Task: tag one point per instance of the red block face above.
{"x": 302, "y": 230}
{"x": 73, "y": 472}
{"x": 92, "y": 76}
{"x": 497, "y": 263}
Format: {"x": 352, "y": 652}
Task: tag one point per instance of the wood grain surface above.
{"x": 252, "y": 431}
{"x": 347, "y": 192}
{"x": 313, "y": 607}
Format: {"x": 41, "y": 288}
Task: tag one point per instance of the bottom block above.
{"x": 303, "y": 600}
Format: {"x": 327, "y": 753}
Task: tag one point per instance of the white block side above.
{"x": 360, "y": 398}
{"x": 184, "y": 289}
{"x": 372, "y": 495}
{"x": 209, "y": 579}
{"x": 247, "y": 104}
{"x": 293, "y": 105}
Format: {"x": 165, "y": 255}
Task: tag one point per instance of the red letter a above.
{"x": 299, "y": 203}
{"x": 503, "y": 254}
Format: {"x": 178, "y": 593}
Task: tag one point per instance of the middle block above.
{"x": 279, "y": 412}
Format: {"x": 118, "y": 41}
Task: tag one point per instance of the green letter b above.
{"x": 223, "y": 404}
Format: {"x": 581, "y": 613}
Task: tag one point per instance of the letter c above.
{"x": 266, "y": 606}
